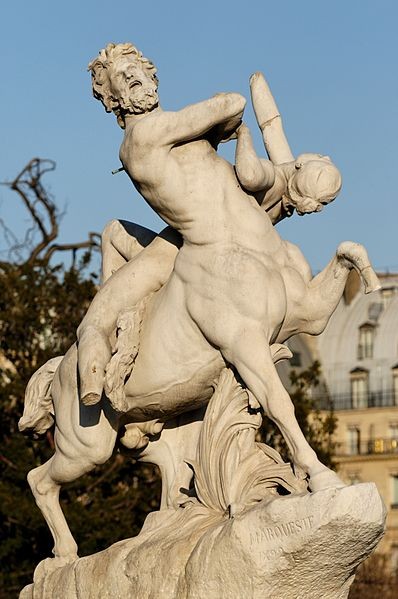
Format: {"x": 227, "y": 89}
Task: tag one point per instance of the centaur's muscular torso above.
{"x": 231, "y": 260}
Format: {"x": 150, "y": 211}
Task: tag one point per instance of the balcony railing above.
{"x": 370, "y": 447}
{"x": 373, "y": 399}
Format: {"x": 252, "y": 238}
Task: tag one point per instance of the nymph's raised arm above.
{"x": 253, "y": 173}
{"x": 196, "y": 119}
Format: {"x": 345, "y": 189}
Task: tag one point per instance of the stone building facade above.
{"x": 358, "y": 352}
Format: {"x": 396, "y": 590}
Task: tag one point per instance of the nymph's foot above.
{"x": 325, "y": 479}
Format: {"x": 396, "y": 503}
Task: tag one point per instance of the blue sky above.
{"x": 332, "y": 67}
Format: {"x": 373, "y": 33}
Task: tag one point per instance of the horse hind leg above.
{"x": 45, "y": 483}
{"x": 251, "y": 356}
{"x": 45, "y": 489}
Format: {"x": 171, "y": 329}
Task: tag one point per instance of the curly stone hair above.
{"x": 316, "y": 177}
{"x": 99, "y": 68}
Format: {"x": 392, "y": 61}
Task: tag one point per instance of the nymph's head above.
{"x": 124, "y": 81}
{"x": 314, "y": 184}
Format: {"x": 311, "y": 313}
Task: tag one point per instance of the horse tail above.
{"x": 38, "y": 414}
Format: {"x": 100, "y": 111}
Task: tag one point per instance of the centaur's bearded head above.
{"x": 124, "y": 81}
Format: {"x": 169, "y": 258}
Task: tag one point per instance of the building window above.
{"x": 366, "y": 341}
{"x": 354, "y": 440}
{"x": 380, "y": 445}
{"x": 374, "y": 310}
{"x": 386, "y": 295}
{"x": 359, "y": 388}
{"x": 395, "y": 385}
{"x": 393, "y": 437}
{"x": 393, "y": 430}
{"x": 394, "y": 491}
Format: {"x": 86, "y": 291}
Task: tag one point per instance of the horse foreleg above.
{"x": 325, "y": 290}
{"x": 354, "y": 255}
{"x": 177, "y": 445}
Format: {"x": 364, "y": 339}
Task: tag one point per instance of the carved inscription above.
{"x": 271, "y": 553}
{"x": 284, "y": 529}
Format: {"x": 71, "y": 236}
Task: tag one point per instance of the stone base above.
{"x": 304, "y": 546}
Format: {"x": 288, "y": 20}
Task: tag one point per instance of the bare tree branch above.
{"x": 44, "y": 214}
{"x": 11, "y": 240}
{"x": 94, "y": 241}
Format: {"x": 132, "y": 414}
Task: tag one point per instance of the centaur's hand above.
{"x": 228, "y": 130}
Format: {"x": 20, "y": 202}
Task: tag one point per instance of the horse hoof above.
{"x": 325, "y": 479}
{"x": 370, "y": 279}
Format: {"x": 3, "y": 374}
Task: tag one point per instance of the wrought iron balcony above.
{"x": 347, "y": 401}
{"x": 371, "y": 447}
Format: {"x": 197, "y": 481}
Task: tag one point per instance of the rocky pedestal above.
{"x": 304, "y": 546}
{"x": 249, "y": 528}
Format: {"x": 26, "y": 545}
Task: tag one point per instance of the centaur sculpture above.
{"x": 218, "y": 286}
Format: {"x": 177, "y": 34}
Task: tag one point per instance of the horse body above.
{"x": 175, "y": 366}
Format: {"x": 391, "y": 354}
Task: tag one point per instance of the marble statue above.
{"x": 198, "y": 313}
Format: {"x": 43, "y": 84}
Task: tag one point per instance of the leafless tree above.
{"x": 44, "y": 219}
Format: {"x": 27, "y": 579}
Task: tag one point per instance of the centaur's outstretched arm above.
{"x": 195, "y": 120}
